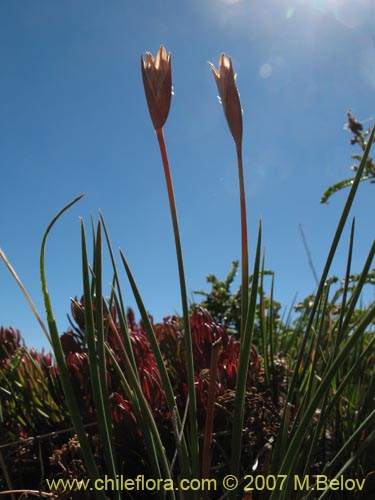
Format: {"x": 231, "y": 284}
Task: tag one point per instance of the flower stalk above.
{"x": 157, "y": 82}
{"x": 230, "y": 100}
{"x": 244, "y": 242}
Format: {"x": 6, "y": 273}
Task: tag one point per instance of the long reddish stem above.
{"x": 194, "y": 443}
{"x": 244, "y": 242}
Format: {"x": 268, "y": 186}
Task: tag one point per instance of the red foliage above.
{"x": 10, "y": 341}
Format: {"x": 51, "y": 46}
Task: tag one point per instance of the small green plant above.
{"x": 224, "y": 304}
{"x": 360, "y": 137}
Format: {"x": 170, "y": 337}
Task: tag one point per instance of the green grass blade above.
{"x": 263, "y": 326}
{"x": 357, "y": 453}
{"x": 297, "y": 440}
{"x": 243, "y": 366}
{"x": 272, "y": 341}
{"x": 159, "y": 359}
{"x": 332, "y": 251}
{"x": 120, "y": 304}
{"x": 71, "y": 401}
{"x": 134, "y": 385}
{"x": 358, "y": 288}
{"x": 95, "y": 346}
{"x": 346, "y": 286}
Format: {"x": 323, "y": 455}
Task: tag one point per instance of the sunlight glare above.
{"x": 265, "y": 71}
{"x": 350, "y": 14}
{"x": 289, "y": 12}
{"x": 367, "y": 62}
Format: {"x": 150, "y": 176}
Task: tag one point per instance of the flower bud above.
{"x": 157, "y": 82}
{"x": 230, "y": 99}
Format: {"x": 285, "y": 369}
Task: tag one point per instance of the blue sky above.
{"x": 73, "y": 119}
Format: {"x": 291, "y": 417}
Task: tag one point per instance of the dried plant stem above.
{"x": 7, "y": 479}
{"x": 37, "y": 493}
{"x": 26, "y": 295}
{"x": 208, "y": 431}
{"x": 185, "y": 309}
{"x": 40, "y": 437}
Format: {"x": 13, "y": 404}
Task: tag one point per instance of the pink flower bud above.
{"x": 157, "y": 82}
{"x": 230, "y": 99}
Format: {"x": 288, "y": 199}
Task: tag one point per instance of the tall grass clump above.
{"x": 203, "y": 396}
